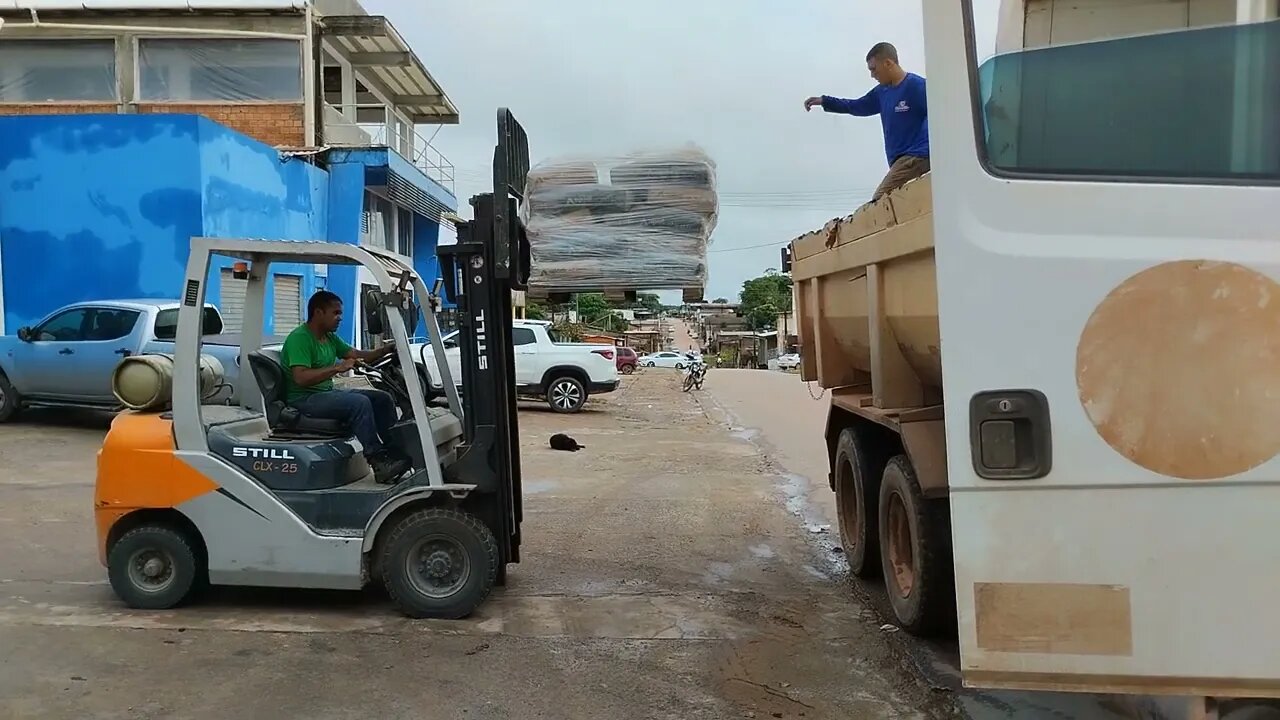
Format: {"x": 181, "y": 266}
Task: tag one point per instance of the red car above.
{"x": 626, "y": 360}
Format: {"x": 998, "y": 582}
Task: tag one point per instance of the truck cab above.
{"x": 1053, "y": 425}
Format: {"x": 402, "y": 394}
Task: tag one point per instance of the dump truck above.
{"x": 1054, "y": 420}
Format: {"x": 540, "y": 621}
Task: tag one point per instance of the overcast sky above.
{"x": 607, "y": 78}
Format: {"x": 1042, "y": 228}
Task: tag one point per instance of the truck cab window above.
{"x": 522, "y": 336}
{"x": 64, "y": 327}
{"x": 111, "y": 324}
{"x": 1190, "y": 105}
{"x": 166, "y": 324}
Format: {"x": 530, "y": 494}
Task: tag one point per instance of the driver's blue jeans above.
{"x": 369, "y": 413}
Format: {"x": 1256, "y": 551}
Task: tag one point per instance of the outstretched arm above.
{"x": 864, "y": 106}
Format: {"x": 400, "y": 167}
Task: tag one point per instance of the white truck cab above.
{"x": 1107, "y": 264}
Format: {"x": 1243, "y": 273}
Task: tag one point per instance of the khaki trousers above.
{"x": 904, "y": 170}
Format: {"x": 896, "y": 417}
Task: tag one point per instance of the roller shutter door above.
{"x": 286, "y": 307}
{"x": 232, "y": 306}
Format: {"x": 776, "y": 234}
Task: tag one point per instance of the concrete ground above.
{"x": 672, "y": 569}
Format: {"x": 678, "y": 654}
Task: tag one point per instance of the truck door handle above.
{"x": 124, "y": 351}
{"x": 66, "y": 351}
{"x": 1010, "y": 435}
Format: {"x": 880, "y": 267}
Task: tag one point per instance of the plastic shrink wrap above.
{"x": 640, "y": 222}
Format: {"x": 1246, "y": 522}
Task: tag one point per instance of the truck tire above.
{"x": 566, "y": 394}
{"x": 857, "y": 487}
{"x": 154, "y": 567}
{"x": 9, "y": 400}
{"x": 439, "y": 563}
{"x": 914, "y": 554}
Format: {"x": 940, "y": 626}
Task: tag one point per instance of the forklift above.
{"x": 258, "y": 494}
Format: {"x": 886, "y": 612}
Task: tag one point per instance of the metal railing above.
{"x": 369, "y": 125}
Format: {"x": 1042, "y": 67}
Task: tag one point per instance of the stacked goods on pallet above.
{"x": 647, "y": 228}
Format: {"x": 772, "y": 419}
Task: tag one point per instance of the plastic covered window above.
{"x": 219, "y": 70}
{"x": 1193, "y": 105}
{"x": 57, "y": 71}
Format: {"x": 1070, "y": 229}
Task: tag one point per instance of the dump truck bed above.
{"x": 866, "y": 300}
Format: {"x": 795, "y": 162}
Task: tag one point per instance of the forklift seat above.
{"x": 281, "y": 417}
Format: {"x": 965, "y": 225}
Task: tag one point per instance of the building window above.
{"x": 222, "y": 70}
{"x": 36, "y": 71}
{"x": 404, "y": 232}
{"x": 375, "y": 226}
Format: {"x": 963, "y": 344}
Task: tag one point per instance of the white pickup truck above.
{"x": 563, "y": 374}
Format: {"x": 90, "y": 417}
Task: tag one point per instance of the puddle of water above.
{"x": 536, "y": 487}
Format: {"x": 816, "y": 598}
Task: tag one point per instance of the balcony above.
{"x": 377, "y": 125}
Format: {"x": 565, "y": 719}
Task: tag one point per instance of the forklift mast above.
{"x": 489, "y": 262}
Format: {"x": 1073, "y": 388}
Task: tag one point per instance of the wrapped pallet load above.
{"x": 647, "y": 228}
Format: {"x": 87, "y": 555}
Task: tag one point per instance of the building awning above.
{"x": 153, "y": 5}
{"x": 375, "y": 46}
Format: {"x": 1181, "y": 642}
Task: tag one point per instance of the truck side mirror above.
{"x": 24, "y": 334}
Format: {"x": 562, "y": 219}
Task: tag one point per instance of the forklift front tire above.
{"x": 439, "y": 563}
{"x": 153, "y": 567}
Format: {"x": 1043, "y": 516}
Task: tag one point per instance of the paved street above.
{"x": 672, "y": 571}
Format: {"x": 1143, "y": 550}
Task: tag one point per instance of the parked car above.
{"x": 562, "y": 374}
{"x": 666, "y": 359}
{"x": 627, "y": 360}
{"x": 789, "y": 361}
{"x": 67, "y": 359}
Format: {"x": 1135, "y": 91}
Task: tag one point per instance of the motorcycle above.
{"x": 694, "y": 376}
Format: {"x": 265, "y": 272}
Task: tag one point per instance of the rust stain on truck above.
{"x": 1179, "y": 369}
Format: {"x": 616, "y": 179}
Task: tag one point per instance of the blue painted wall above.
{"x": 104, "y": 206}
{"x": 248, "y": 190}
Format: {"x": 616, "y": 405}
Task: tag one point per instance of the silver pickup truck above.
{"x": 67, "y": 359}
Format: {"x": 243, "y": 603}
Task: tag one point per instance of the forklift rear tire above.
{"x": 154, "y": 567}
{"x": 914, "y": 553}
{"x": 439, "y": 563}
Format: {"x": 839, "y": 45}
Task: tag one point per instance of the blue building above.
{"x": 302, "y": 127}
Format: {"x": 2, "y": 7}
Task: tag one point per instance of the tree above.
{"x": 594, "y": 309}
{"x": 721, "y": 301}
{"x": 535, "y": 310}
{"x": 648, "y": 301}
{"x": 764, "y": 297}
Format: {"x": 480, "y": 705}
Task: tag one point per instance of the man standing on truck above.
{"x": 311, "y": 354}
{"x": 899, "y": 99}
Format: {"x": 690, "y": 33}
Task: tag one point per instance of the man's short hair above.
{"x": 320, "y": 301}
{"x": 883, "y": 51}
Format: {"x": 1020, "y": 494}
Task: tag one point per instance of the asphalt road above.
{"x": 672, "y": 569}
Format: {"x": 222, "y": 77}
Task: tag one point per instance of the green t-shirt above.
{"x": 302, "y": 348}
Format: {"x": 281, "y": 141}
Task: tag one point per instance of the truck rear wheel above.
{"x": 913, "y": 552}
{"x": 9, "y": 401}
{"x": 566, "y": 394}
{"x": 857, "y": 485}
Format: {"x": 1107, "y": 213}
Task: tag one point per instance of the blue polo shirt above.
{"x": 903, "y": 111}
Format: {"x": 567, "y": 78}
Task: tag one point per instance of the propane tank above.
{"x": 145, "y": 382}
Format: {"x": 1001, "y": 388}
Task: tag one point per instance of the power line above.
{"x": 749, "y": 247}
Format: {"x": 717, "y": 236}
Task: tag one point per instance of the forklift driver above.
{"x": 311, "y": 353}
